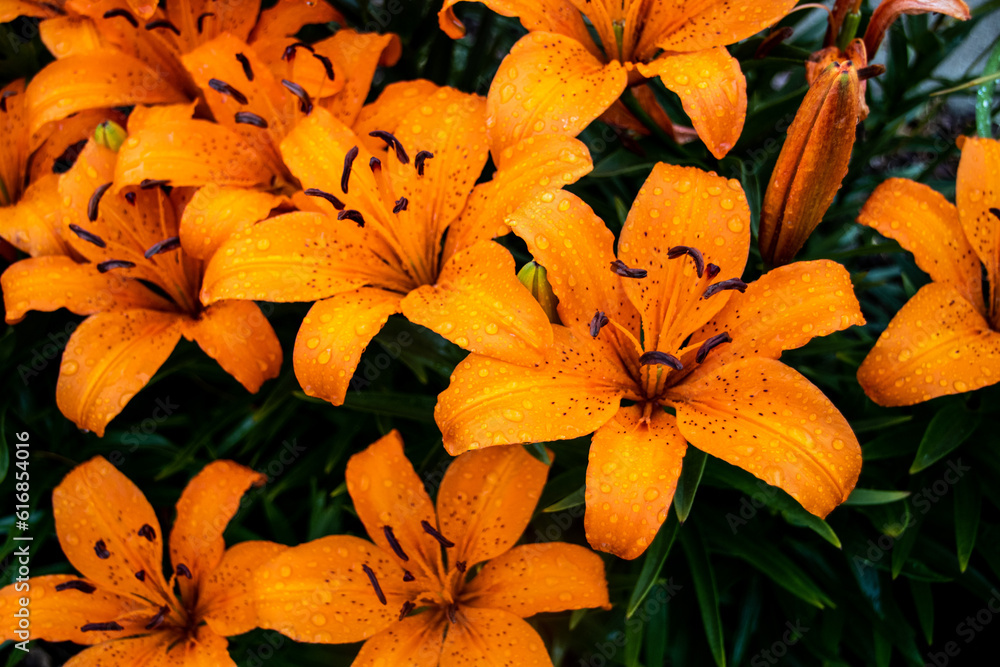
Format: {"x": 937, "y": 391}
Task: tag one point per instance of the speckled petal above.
{"x": 319, "y": 591}
{"x": 549, "y": 84}
{"x": 225, "y": 599}
{"x": 928, "y": 225}
{"x": 938, "y": 344}
{"x": 238, "y": 336}
{"x": 216, "y": 213}
{"x": 490, "y": 402}
{"x": 492, "y": 638}
{"x": 631, "y": 479}
{"x": 159, "y": 649}
{"x": 284, "y": 19}
{"x": 692, "y": 25}
{"x": 713, "y": 92}
{"x": 108, "y": 359}
{"x": 558, "y": 16}
{"x": 486, "y": 499}
{"x": 415, "y": 641}
{"x": 766, "y": 418}
{"x": 479, "y": 304}
{"x": 543, "y": 577}
{"x": 976, "y": 193}
{"x": 357, "y": 55}
{"x": 386, "y": 112}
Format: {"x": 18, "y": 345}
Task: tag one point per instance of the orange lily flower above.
{"x": 127, "y": 239}
{"x": 666, "y": 324}
{"x": 946, "y": 339}
{"x": 122, "y": 607}
{"x": 682, "y": 43}
{"x": 371, "y": 243}
{"x": 413, "y": 605}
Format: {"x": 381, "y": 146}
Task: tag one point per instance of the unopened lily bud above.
{"x": 110, "y": 134}
{"x": 535, "y": 278}
{"x": 812, "y": 163}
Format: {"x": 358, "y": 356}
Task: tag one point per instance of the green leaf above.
{"x": 653, "y": 561}
{"x": 923, "y": 601}
{"x": 772, "y": 562}
{"x": 687, "y": 485}
{"x": 968, "y": 502}
{"x": 707, "y": 593}
{"x": 903, "y": 546}
{"x": 874, "y": 497}
{"x": 656, "y": 640}
{"x": 633, "y": 643}
{"x": 879, "y": 423}
{"x": 538, "y": 450}
{"x": 984, "y": 96}
{"x": 574, "y": 499}
{"x": 948, "y": 429}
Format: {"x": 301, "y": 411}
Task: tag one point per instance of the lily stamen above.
{"x": 401, "y": 205}
{"x": 599, "y": 321}
{"x": 419, "y": 160}
{"x": 150, "y": 183}
{"x": 374, "y": 580}
{"x": 394, "y": 543}
{"x": 712, "y": 270}
{"x": 166, "y": 245}
{"x": 694, "y": 253}
{"x": 3, "y": 99}
{"x": 871, "y": 71}
{"x": 620, "y": 268}
{"x": 87, "y": 236}
{"x": 351, "y": 214}
{"x": 100, "y": 627}
{"x": 104, "y": 267}
{"x": 245, "y": 63}
{"x": 661, "y": 359}
{"x": 289, "y": 53}
{"x": 226, "y": 89}
{"x": 433, "y": 532}
{"x": 730, "y": 284}
{"x": 392, "y": 142}
{"x": 408, "y": 576}
{"x": 201, "y": 24}
{"x": 316, "y": 192}
{"x": 147, "y": 531}
{"x": 95, "y": 199}
{"x": 407, "y": 608}
{"x": 348, "y": 162}
{"x": 305, "y": 102}
{"x": 164, "y": 23}
{"x": 141, "y": 575}
{"x": 123, "y": 13}
{"x": 158, "y": 619}
{"x": 711, "y": 344}
{"x": 183, "y": 571}
{"x": 327, "y": 65}
{"x": 250, "y": 118}
{"x": 130, "y": 198}
{"x": 76, "y": 585}
{"x": 101, "y": 550}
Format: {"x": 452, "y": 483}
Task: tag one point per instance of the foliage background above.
{"x": 882, "y": 583}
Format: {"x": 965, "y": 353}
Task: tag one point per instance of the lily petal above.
{"x": 887, "y": 12}
{"x": 32, "y": 224}
{"x": 402, "y": 504}
{"x": 334, "y": 334}
{"x": 238, "y": 336}
{"x": 306, "y": 608}
{"x": 479, "y": 304}
{"x": 206, "y": 649}
{"x": 558, "y": 16}
{"x": 693, "y": 25}
{"x": 938, "y": 344}
{"x": 387, "y": 111}
{"x": 713, "y": 92}
{"x": 928, "y": 225}
{"x": 226, "y": 596}
{"x": 766, "y": 418}
{"x": 283, "y": 20}
{"x": 549, "y": 84}
{"x": 976, "y": 194}
{"x": 492, "y": 637}
{"x": 535, "y": 578}
{"x": 635, "y": 462}
{"x": 216, "y": 213}
{"x": 486, "y": 499}
{"x": 14, "y": 138}
{"x": 490, "y": 402}
{"x": 108, "y": 359}
{"x": 357, "y": 54}
{"x": 99, "y": 516}
{"x": 414, "y": 641}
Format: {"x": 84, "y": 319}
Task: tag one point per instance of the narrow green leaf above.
{"x": 902, "y": 547}
{"x": 633, "y": 643}
{"x": 879, "y": 423}
{"x": 984, "y": 96}
{"x": 656, "y": 639}
{"x": 687, "y": 485}
{"x": 948, "y": 429}
{"x": 539, "y": 451}
{"x": 574, "y": 499}
{"x": 576, "y": 617}
{"x": 968, "y": 502}
{"x": 653, "y": 561}
{"x": 874, "y": 497}
{"x": 707, "y": 593}
{"x": 923, "y": 601}
{"x": 750, "y": 608}
{"x": 883, "y": 648}
{"x": 772, "y": 562}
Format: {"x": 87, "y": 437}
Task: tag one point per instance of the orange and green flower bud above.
{"x": 812, "y": 163}
{"x": 110, "y": 134}
{"x": 535, "y": 278}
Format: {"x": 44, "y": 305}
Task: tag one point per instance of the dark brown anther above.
{"x": 401, "y": 205}
{"x": 305, "y": 102}
{"x": 599, "y": 321}
{"x": 249, "y": 118}
{"x": 433, "y": 532}
{"x": 621, "y": 269}
{"x": 316, "y": 192}
{"x": 201, "y": 21}
{"x": 245, "y": 62}
{"x": 712, "y": 270}
{"x": 76, "y": 585}
{"x": 772, "y": 41}
{"x": 104, "y": 267}
{"x": 408, "y": 576}
{"x": 183, "y": 571}
{"x": 391, "y": 539}
{"x": 372, "y": 578}
{"x": 87, "y": 236}
{"x": 732, "y": 283}
{"x": 375, "y": 165}
{"x": 3, "y": 99}
{"x": 407, "y": 608}
{"x": 100, "y": 548}
{"x": 226, "y": 89}
{"x": 661, "y": 359}
{"x": 711, "y": 344}
{"x": 166, "y": 245}
{"x": 460, "y": 566}
{"x": 995, "y": 212}
{"x": 95, "y": 200}
{"x": 158, "y": 619}
{"x": 681, "y": 250}
{"x": 130, "y": 198}
{"x": 348, "y": 162}
{"x": 870, "y": 72}
{"x": 150, "y": 183}
{"x": 141, "y": 575}
{"x": 123, "y": 13}
{"x": 148, "y": 532}
{"x": 392, "y": 142}
{"x": 100, "y": 627}
{"x": 351, "y": 214}
{"x": 419, "y": 160}
{"x": 289, "y": 53}
{"x": 327, "y": 65}
{"x": 164, "y": 23}
{"x": 453, "y": 613}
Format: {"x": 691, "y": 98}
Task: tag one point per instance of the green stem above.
{"x": 632, "y": 104}
{"x": 849, "y": 30}
{"x": 984, "y": 96}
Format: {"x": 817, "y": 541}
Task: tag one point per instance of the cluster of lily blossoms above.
{"x": 249, "y": 168}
